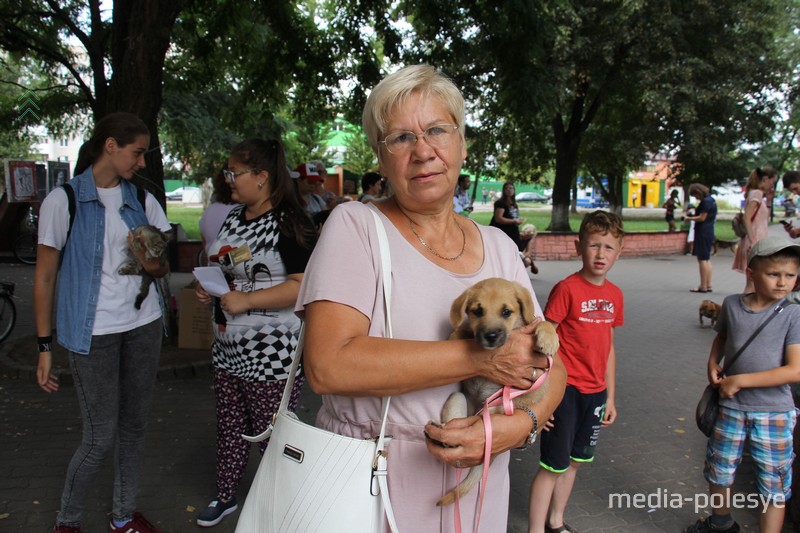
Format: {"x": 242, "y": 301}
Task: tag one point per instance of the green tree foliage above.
{"x": 359, "y": 157}
{"x": 696, "y": 76}
{"x": 247, "y": 69}
{"x": 117, "y": 66}
{"x": 16, "y": 142}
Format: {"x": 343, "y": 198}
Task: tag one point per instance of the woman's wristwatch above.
{"x": 532, "y": 436}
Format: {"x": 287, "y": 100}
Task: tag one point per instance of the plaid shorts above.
{"x": 770, "y": 435}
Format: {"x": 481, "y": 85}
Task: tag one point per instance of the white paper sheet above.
{"x": 212, "y": 279}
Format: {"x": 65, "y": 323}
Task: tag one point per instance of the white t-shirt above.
{"x": 115, "y": 311}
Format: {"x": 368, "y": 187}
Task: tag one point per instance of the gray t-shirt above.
{"x": 738, "y": 322}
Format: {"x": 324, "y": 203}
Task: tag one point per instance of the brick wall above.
{"x": 561, "y": 246}
{"x": 549, "y": 246}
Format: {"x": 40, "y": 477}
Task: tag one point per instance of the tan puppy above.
{"x": 709, "y": 310}
{"x": 493, "y": 308}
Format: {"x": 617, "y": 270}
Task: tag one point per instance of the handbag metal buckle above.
{"x": 374, "y": 487}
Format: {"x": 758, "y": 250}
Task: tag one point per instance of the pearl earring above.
{"x": 261, "y": 185}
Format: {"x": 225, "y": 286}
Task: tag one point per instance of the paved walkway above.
{"x": 653, "y": 453}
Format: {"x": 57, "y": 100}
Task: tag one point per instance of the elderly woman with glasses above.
{"x": 414, "y": 120}
{"x": 262, "y": 247}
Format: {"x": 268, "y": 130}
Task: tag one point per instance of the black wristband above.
{"x": 45, "y": 343}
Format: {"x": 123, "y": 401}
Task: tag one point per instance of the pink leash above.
{"x": 504, "y": 397}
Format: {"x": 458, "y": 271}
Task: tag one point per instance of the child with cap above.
{"x": 756, "y": 403}
{"x": 307, "y": 176}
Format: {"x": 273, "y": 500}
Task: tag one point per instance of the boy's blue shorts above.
{"x": 576, "y": 428}
{"x": 771, "y": 448}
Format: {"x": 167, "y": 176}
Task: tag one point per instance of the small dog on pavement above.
{"x": 720, "y": 244}
{"x": 493, "y": 307}
{"x": 710, "y": 310}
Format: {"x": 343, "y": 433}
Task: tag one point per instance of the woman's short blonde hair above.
{"x": 396, "y": 87}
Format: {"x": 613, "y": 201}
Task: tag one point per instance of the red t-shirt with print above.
{"x": 585, "y": 314}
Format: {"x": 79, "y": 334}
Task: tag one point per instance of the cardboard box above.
{"x": 194, "y": 322}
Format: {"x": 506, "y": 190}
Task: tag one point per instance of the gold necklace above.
{"x": 431, "y": 250}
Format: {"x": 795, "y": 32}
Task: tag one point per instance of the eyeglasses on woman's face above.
{"x": 438, "y": 136}
{"x": 231, "y": 175}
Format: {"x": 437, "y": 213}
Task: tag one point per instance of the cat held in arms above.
{"x": 154, "y": 242}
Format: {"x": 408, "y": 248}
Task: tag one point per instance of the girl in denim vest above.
{"x": 113, "y": 347}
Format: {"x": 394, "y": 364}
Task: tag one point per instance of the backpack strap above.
{"x": 70, "y": 206}
{"x": 141, "y": 194}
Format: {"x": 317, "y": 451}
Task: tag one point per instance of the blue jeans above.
{"x": 114, "y": 383}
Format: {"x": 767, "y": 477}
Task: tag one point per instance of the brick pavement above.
{"x": 653, "y": 448}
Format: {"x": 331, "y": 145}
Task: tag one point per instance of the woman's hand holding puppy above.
{"x": 464, "y": 439}
{"x": 513, "y": 363}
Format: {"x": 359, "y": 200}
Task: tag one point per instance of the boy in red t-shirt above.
{"x": 585, "y": 308}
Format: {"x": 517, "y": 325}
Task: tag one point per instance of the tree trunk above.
{"x": 140, "y": 38}
{"x": 567, "y": 143}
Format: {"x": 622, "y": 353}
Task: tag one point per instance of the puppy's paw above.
{"x": 434, "y": 423}
{"x": 546, "y": 338}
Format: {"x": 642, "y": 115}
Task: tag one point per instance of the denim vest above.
{"x": 82, "y": 260}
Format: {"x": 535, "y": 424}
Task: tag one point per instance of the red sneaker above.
{"x": 137, "y": 524}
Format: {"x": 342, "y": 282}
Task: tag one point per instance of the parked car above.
{"x": 192, "y": 194}
{"x": 531, "y": 197}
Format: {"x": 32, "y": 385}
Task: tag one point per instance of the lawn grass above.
{"x": 541, "y": 219}
{"x": 189, "y": 217}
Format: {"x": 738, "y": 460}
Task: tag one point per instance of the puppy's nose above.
{"x": 492, "y": 338}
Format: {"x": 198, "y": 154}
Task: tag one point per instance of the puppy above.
{"x": 719, "y": 244}
{"x": 709, "y": 310}
{"x": 493, "y": 308}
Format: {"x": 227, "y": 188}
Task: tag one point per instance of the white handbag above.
{"x": 311, "y": 479}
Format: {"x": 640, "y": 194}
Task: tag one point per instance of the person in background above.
{"x": 506, "y": 218}
{"x": 371, "y": 187}
{"x": 113, "y": 346}
{"x": 670, "y": 205}
{"x": 484, "y": 196}
{"x": 219, "y": 207}
{"x": 758, "y": 190}
{"x": 307, "y": 177}
{"x": 791, "y": 182}
{"x": 704, "y": 217}
{"x": 318, "y": 187}
{"x": 414, "y": 121}
{"x": 461, "y": 202}
{"x": 263, "y": 247}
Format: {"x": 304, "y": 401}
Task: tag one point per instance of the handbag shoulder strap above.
{"x": 775, "y": 312}
{"x": 386, "y": 274}
{"x": 380, "y": 463}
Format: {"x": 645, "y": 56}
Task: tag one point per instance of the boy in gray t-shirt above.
{"x": 755, "y": 401}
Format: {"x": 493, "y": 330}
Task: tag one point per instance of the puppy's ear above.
{"x": 458, "y": 308}
{"x": 525, "y": 301}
